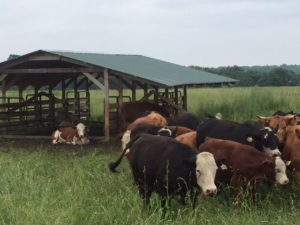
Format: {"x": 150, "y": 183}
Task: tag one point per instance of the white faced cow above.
{"x": 76, "y": 135}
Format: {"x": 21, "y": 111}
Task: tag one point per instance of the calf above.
{"x": 262, "y": 138}
{"x": 71, "y": 135}
{"x": 163, "y": 165}
{"x": 189, "y": 139}
{"x": 245, "y": 164}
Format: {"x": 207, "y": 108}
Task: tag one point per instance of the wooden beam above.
{"x": 96, "y": 77}
{"x": 12, "y": 82}
{"x": 96, "y": 82}
{"x": 2, "y": 77}
{"x": 49, "y": 70}
{"x": 4, "y": 93}
{"x": 106, "y": 105}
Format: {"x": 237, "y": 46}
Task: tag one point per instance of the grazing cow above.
{"x": 76, "y": 135}
{"x": 189, "y": 139}
{"x": 185, "y": 119}
{"x": 163, "y": 165}
{"x": 245, "y": 164}
{"x": 130, "y": 111}
{"x": 291, "y": 147}
{"x": 262, "y": 138}
{"x": 179, "y": 130}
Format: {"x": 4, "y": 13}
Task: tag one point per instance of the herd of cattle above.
{"x": 179, "y": 156}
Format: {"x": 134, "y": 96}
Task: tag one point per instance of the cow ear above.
{"x": 190, "y": 162}
{"x": 222, "y": 164}
{"x": 288, "y": 163}
{"x": 263, "y": 120}
{"x": 291, "y": 120}
{"x": 297, "y": 131}
{"x": 249, "y": 138}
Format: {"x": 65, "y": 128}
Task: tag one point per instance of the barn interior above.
{"x": 42, "y": 89}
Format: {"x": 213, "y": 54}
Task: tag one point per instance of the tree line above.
{"x": 284, "y": 75}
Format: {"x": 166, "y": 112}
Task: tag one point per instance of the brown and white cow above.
{"x": 291, "y": 149}
{"x": 76, "y": 135}
{"x": 189, "y": 139}
{"x": 278, "y": 124}
{"x": 245, "y": 165}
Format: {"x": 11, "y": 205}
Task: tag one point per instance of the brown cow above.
{"x": 278, "y": 124}
{"x": 179, "y": 130}
{"x": 189, "y": 139}
{"x": 245, "y": 164}
{"x": 130, "y": 111}
{"x": 291, "y": 147}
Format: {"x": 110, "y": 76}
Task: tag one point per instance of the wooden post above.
{"x": 21, "y": 103}
{"x": 36, "y": 104}
{"x": 120, "y": 95}
{"x": 156, "y": 89}
{"x": 146, "y": 90}
{"x": 184, "y": 97}
{"x": 133, "y": 90}
{"x": 176, "y": 97}
{"x": 76, "y": 98}
{"x": 51, "y": 104}
{"x": 4, "y": 93}
{"x": 106, "y": 106}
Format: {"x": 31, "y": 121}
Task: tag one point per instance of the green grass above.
{"x": 45, "y": 184}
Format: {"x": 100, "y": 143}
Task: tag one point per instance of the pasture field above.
{"x": 45, "y": 184}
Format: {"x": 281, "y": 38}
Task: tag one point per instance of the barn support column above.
{"x": 176, "y": 97}
{"x": 184, "y": 97}
{"x": 21, "y": 101}
{"x": 51, "y": 103}
{"x": 106, "y": 105}
{"x": 120, "y": 95}
{"x": 146, "y": 90}
{"x": 133, "y": 91}
{"x": 156, "y": 93}
{"x": 4, "y": 92}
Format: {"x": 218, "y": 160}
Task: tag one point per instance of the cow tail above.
{"x": 114, "y": 165}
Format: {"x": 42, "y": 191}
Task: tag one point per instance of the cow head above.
{"x": 265, "y": 141}
{"x": 81, "y": 130}
{"x": 206, "y": 168}
{"x": 280, "y": 171}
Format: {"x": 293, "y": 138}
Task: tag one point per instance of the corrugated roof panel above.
{"x": 159, "y": 71}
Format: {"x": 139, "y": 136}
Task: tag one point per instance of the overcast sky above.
{"x": 187, "y": 32}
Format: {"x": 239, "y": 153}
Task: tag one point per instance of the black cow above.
{"x": 185, "y": 119}
{"x": 163, "y": 165}
{"x": 249, "y": 133}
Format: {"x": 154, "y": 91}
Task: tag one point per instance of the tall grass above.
{"x": 44, "y": 184}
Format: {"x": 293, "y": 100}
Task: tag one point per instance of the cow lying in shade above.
{"x": 76, "y": 135}
{"x": 245, "y": 165}
{"x": 167, "y": 167}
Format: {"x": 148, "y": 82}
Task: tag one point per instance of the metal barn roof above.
{"x": 159, "y": 71}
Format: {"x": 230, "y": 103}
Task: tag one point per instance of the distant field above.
{"x": 45, "y": 184}
{"x": 234, "y": 103}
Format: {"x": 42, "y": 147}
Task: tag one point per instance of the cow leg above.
{"x": 237, "y": 183}
{"x": 194, "y": 196}
{"x": 253, "y": 190}
{"x": 145, "y": 195}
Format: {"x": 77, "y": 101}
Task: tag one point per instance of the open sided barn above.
{"x": 73, "y": 74}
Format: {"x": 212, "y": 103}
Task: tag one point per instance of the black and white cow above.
{"x": 249, "y": 133}
{"x": 168, "y": 167}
